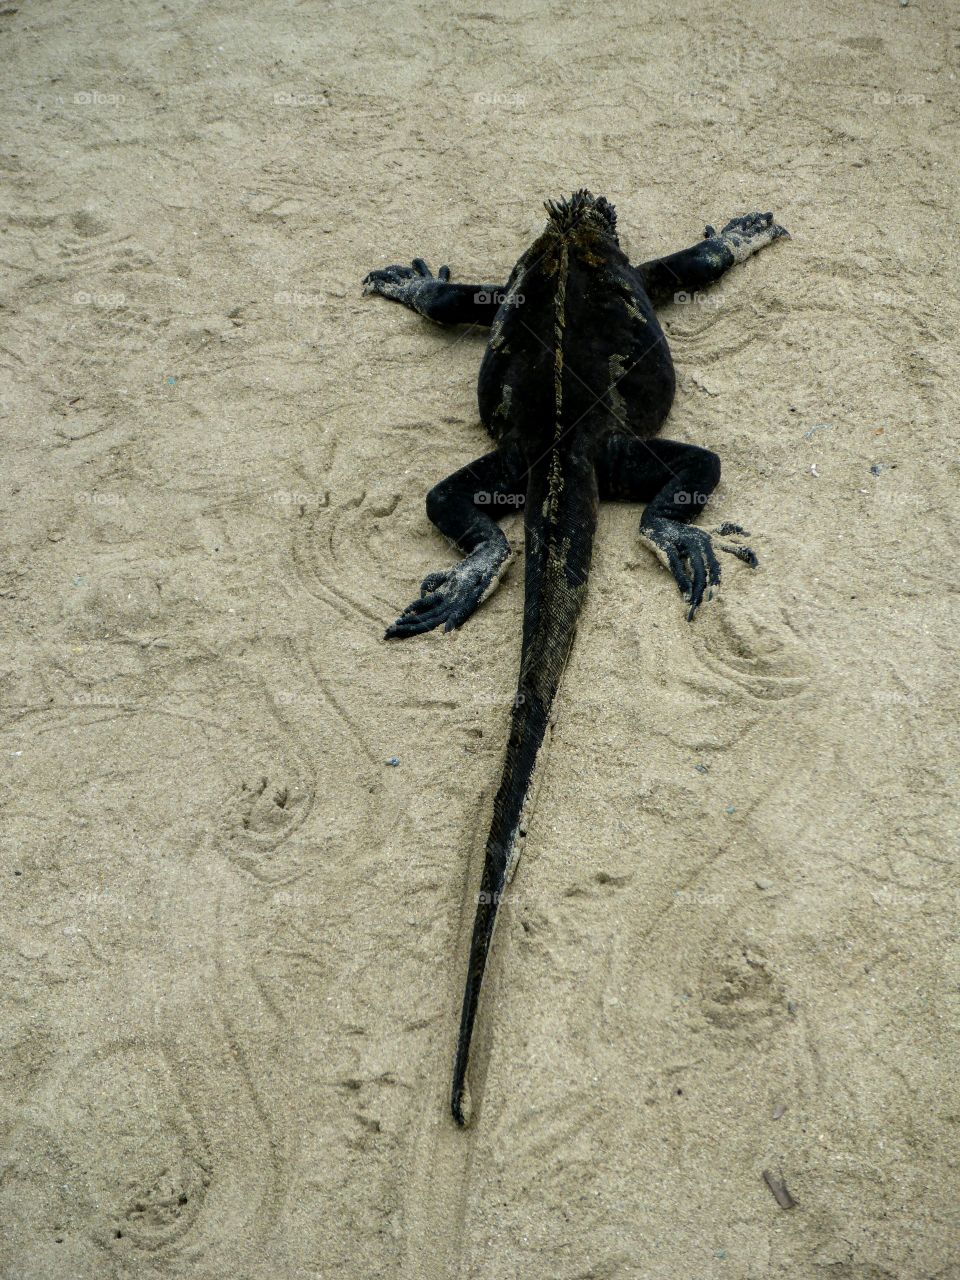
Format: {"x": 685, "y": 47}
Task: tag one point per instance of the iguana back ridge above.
{"x": 575, "y": 383}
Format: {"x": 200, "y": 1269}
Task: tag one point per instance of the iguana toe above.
{"x": 449, "y": 597}
{"x": 689, "y": 555}
{"x": 749, "y": 233}
{"x": 391, "y": 282}
{"x": 399, "y": 282}
{"x": 746, "y": 554}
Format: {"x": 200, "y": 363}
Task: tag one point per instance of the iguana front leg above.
{"x": 675, "y": 480}
{"x": 704, "y": 263}
{"x": 465, "y": 507}
{"x": 436, "y": 298}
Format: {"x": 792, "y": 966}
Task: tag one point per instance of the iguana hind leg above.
{"x": 675, "y": 480}
{"x": 679, "y": 275}
{"x": 465, "y": 508}
{"x": 435, "y": 297}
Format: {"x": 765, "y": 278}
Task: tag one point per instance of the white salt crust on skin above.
{"x": 498, "y": 575}
{"x": 745, "y": 246}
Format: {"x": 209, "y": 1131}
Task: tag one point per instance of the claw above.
{"x": 676, "y": 568}
{"x": 401, "y": 283}
{"x": 750, "y": 232}
{"x": 699, "y": 571}
{"x": 742, "y": 553}
{"x": 728, "y": 529}
{"x": 434, "y": 581}
{"x": 689, "y": 554}
{"x": 449, "y": 597}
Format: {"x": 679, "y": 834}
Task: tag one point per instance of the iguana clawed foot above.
{"x": 689, "y": 555}
{"x": 404, "y": 284}
{"x": 449, "y": 597}
{"x": 745, "y": 554}
{"x": 746, "y": 235}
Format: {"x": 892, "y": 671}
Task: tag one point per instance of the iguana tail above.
{"x": 560, "y": 520}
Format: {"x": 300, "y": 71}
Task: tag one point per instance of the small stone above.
{"x": 763, "y": 883}
{"x": 393, "y": 762}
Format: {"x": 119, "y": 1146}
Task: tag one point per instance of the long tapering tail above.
{"x": 560, "y": 521}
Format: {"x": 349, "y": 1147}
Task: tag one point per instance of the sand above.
{"x": 233, "y": 933}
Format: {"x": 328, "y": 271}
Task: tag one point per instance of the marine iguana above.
{"x": 575, "y": 383}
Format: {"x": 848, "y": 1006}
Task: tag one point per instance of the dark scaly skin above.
{"x": 575, "y": 383}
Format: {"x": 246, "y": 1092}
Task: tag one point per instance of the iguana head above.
{"x": 583, "y": 212}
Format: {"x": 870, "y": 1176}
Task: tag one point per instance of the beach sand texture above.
{"x": 233, "y": 934}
